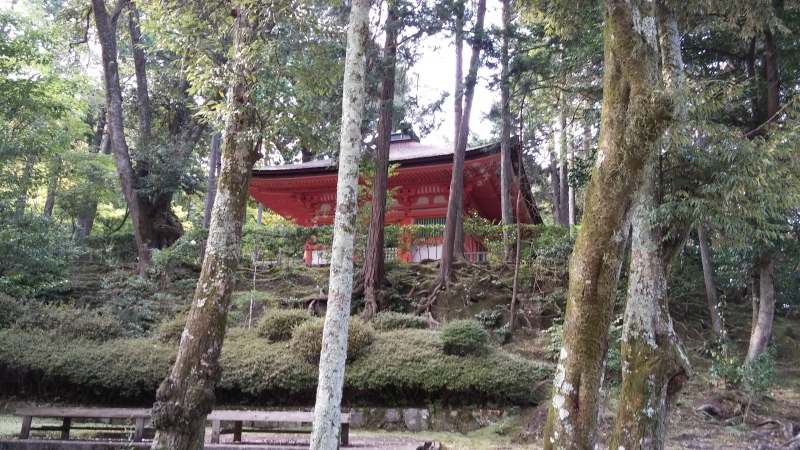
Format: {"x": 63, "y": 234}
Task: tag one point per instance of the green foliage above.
{"x": 170, "y": 330}
{"x": 729, "y": 368}
{"x": 390, "y": 320}
{"x": 553, "y": 348}
{"x": 463, "y": 337}
{"x": 277, "y": 325}
{"x": 10, "y": 310}
{"x": 184, "y": 252}
{"x": 67, "y": 321}
{"x": 283, "y": 239}
{"x": 34, "y": 255}
{"x": 402, "y": 367}
{"x": 613, "y": 373}
{"x": 489, "y": 319}
{"x": 307, "y": 340}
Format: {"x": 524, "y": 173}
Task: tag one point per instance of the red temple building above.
{"x": 306, "y": 193}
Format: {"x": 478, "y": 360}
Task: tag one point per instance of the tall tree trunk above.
{"x": 634, "y": 116}
{"x": 763, "y": 309}
{"x": 373, "y": 260}
{"x": 563, "y": 174}
{"x": 186, "y": 396}
{"x": 27, "y": 174}
{"x": 52, "y": 186}
{"x": 451, "y": 247}
{"x": 506, "y": 168}
{"x": 708, "y": 278}
{"x": 106, "y": 33}
{"x": 765, "y": 306}
{"x": 555, "y": 184}
{"x": 327, "y": 412}
{"x": 458, "y": 92}
{"x": 100, "y": 144}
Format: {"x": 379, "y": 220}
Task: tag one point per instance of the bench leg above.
{"x": 26, "y": 427}
{"x": 345, "y": 434}
{"x": 215, "y": 431}
{"x": 237, "y": 431}
{"x": 138, "y": 431}
{"x": 65, "y": 428}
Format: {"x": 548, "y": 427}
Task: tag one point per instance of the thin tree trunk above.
{"x": 327, "y": 412}
{"x": 563, "y": 174}
{"x": 555, "y": 184}
{"x": 100, "y": 143}
{"x": 106, "y": 33}
{"x": 373, "y": 260}
{"x": 186, "y": 396}
{"x": 213, "y": 163}
{"x": 140, "y": 68}
{"x": 458, "y": 93}
{"x": 451, "y": 247}
{"x": 708, "y": 278}
{"x": 27, "y": 174}
{"x": 517, "y": 260}
{"x": 763, "y": 309}
{"x": 506, "y": 168}
{"x": 52, "y": 186}
{"x": 634, "y": 116}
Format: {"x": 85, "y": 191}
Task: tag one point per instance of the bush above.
{"x": 170, "y": 330}
{"x": 390, "y": 320}
{"x": 277, "y": 325}
{"x": 307, "y": 340}
{"x": 70, "y": 322}
{"x": 10, "y": 310}
{"x": 463, "y": 337}
{"x": 402, "y": 368}
{"x": 489, "y": 319}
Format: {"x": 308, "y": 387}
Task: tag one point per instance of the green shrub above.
{"x": 390, "y": 320}
{"x": 170, "y": 330}
{"x": 277, "y": 325}
{"x": 307, "y": 340}
{"x": 489, "y": 319}
{"x": 10, "y": 310}
{"x": 463, "y": 337}
{"x": 65, "y": 320}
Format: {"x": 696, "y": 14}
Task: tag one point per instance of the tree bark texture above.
{"x": 708, "y": 278}
{"x": 453, "y": 244}
{"x": 373, "y": 260}
{"x": 654, "y": 366}
{"x": 186, "y": 396}
{"x": 506, "y": 166}
{"x": 634, "y": 116}
{"x": 763, "y": 309}
{"x": 327, "y": 410}
{"x": 140, "y": 68}
{"x": 555, "y": 184}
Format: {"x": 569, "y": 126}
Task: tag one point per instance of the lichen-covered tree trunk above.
{"x": 213, "y": 162}
{"x": 708, "y": 279}
{"x": 634, "y": 116}
{"x": 654, "y": 365}
{"x": 373, "y": 260}
{"x": 327, "y": 410}
{"x": 186, "y": 396}
{"x": 506, "y": 166}
{"x": 453, "y": 244}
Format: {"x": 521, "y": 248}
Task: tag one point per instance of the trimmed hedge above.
{"x": 463, "y": 337}
{"x": 65, "y": 320}
{"x": 401, "y": 368}
{"x": 277, "y": 325}
{"x": 307, "y": 340}
{"x": 390, "y": 320}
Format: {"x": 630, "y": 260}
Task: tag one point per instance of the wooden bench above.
{"x": 238, "y": 417}
{"x": 136, "y": 416}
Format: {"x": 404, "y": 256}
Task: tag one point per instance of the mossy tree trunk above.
{"x": 374, "y": 258}
{"x": 635, "y": 114}
{"x": 327, "y": 410}
{"x": 186, "y": 396}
